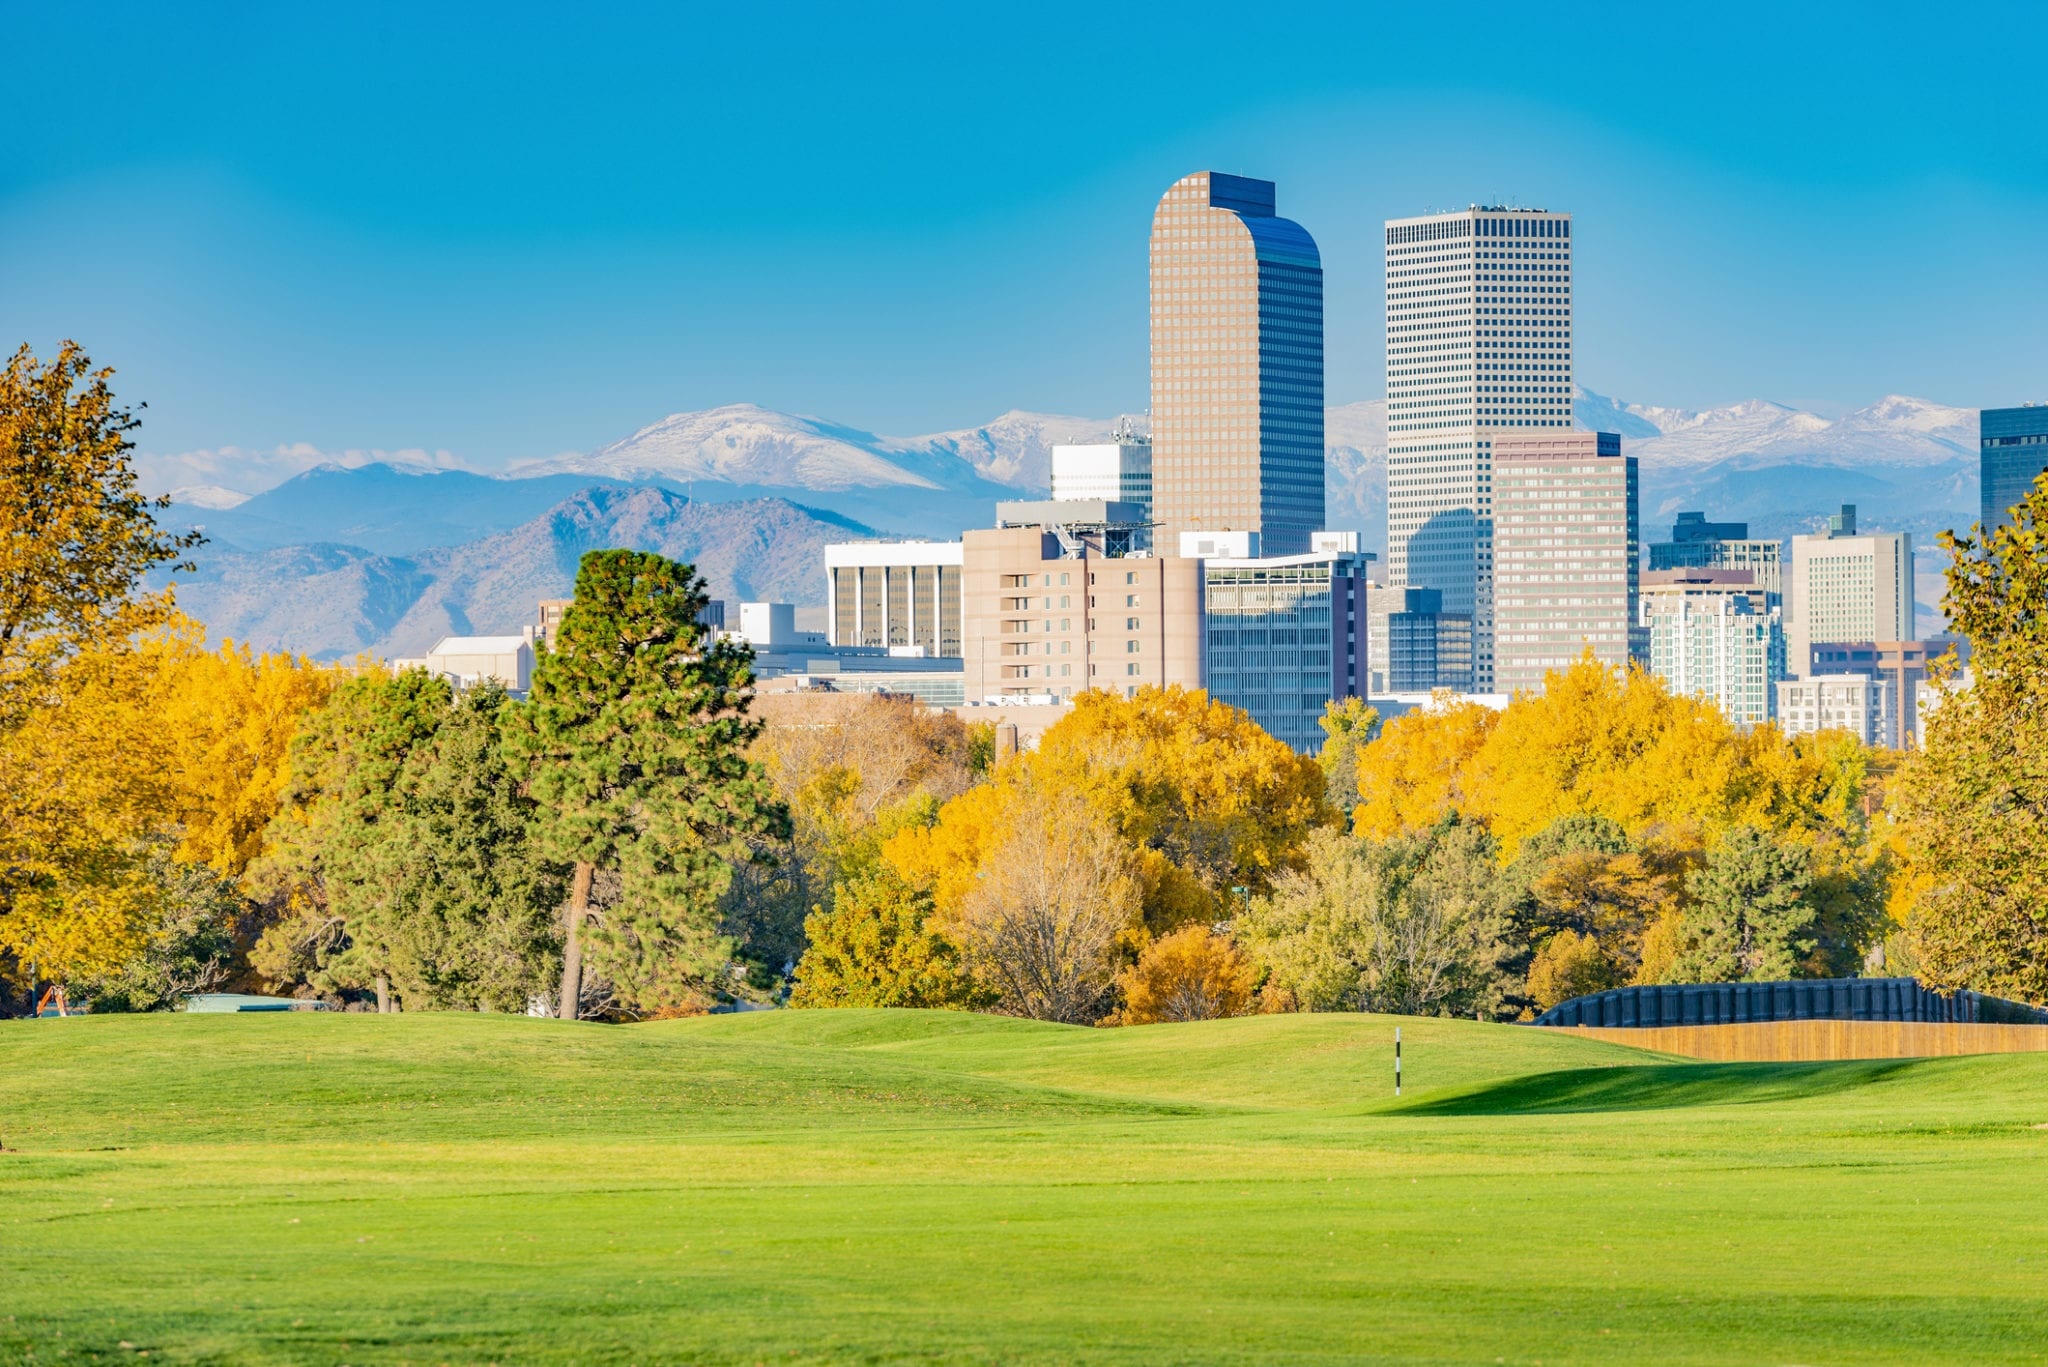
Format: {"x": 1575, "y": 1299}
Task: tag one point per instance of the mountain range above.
{"x": 387, "y": 556}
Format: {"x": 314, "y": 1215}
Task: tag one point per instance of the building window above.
{"x": 1131, "y": 668}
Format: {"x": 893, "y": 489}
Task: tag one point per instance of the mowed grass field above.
{"x": 911, "y": 1187}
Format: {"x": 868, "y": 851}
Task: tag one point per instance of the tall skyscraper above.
{"x": 1566, "y": 554}
{"x": 2013, "y": 446}
{"x": 1847, "y": 586}
{"x": 1479, "y": 341}
{"x": 1237, "y": 366}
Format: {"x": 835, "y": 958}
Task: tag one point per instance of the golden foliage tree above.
{"x": 1414, "y": 774}
{"x": 1973, "y": 804}
{"x": 1040, "y": 927}
{"x": 875, "y": 946}
{"x": 76, "y": 538}
{"x": 1191, "y": 974}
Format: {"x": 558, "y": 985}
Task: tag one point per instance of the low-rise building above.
{"x": 1901, "y": 664}
{"x": 880, "y": 594}
{"x": 1835, "y": 702}
{"x": 1417, "y": 647}
{"x": 466, "y": 661}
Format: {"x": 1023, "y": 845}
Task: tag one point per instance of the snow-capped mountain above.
{"x": 1896, "y": 431}
{"x": 207, "y": 496}
{"x": 745, "y": 444}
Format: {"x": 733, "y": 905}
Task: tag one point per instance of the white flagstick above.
{"x": 1397, "y": 1060}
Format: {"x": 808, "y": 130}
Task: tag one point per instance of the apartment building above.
{"x": 1051, "y": 611}
{"x": 1716, "y": 635}
{"x": 1836, "y": 702}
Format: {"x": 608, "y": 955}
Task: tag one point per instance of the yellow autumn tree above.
{"x": 1209, "y": 804}
{"x": 1415, "y": 773}
{"x": 1603, "y": 742}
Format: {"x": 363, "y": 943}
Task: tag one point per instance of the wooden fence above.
{"x": 1794, "y": 1041}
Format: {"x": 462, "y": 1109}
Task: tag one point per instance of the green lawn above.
{"x": 928, "y": 1187}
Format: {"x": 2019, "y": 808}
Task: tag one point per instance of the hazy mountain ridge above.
{"x": 334, "y": 601}
{"x": 386, "y": 556}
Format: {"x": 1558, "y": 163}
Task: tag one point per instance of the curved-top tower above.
{"x": 1237, "y": 366}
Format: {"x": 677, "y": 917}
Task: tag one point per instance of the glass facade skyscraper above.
{"x": 2014, "y": 446}
{"x": 1479, "y": 341}
{"x": 1237, "y": 366}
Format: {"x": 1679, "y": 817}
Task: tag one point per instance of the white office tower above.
{"x": 1716, "y": 635}
{"x": 1846, "y": 586}
{"x": 1117, "y": 471}
{"x": 1479, "y": 341}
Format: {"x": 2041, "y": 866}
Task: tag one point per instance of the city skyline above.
{"x": 424, "y": 242}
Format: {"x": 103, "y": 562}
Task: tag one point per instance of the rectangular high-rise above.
{"x": 1847, "y": 586}
{"x": 1566, "y": 554}
{"x": 2013, "y": 451}
{"x": 1479, "y": 342}
{"x": 1237, "y": 366}
{"x": 1285, "y": 635}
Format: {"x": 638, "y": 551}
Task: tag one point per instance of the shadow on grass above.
{"x": 1658, "y": 1087}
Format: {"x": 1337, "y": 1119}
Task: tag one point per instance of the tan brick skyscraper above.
{"x": 1237, "y": 366}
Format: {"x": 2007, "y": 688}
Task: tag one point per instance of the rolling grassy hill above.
{"x": 899, "y": 1187}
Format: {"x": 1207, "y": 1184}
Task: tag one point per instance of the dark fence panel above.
{"x": 1851, "y": 999}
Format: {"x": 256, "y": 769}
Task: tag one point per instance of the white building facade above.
{"x": 1836, "y": 702}
{"x": 1717, "y": 636}
{"x": 1114, "y": 471}
{"x": 894, "y": 594}
{"x": 1479, "y": 341}
{"x": 1846, "y": 586}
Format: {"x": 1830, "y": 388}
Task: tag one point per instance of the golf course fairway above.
{"x": 932, "y": 1187}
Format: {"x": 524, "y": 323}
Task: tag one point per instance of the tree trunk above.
{"x": 572, "y": 942}
{"x": 383, "y": 995}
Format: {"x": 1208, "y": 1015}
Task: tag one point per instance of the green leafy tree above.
{"x": 634, "y": 740}
{"x": 332, "y": 864}
{"x": 191, "y": 946}
{"x": 1749, "y": 912}
{"x": 471, "y": 910}
{"x": 876, "y": 947}
{"x": 1973, "y": 803}
{"x": 1407, "y": 925}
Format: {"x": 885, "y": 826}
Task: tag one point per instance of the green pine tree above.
{"x": 1749, "y": 911}
{"x": 633, "y": 741}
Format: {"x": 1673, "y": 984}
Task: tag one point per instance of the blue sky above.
{"x": 510, "y": 231}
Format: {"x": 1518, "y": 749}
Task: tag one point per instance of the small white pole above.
{"x": 1397, "y": 1060}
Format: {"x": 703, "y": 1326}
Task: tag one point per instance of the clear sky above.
{"x": 510, "y": 231}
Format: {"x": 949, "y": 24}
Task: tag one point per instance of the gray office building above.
{"x": 2014, "y": 445}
